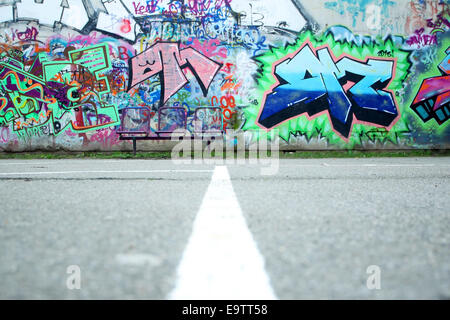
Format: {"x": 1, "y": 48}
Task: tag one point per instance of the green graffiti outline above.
{"x": 320, "y": 126}
{"x": 50, "y": 69}
{"x": 434, "y": 71}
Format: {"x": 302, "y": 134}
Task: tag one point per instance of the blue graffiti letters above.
{"x": 312, "y": 81}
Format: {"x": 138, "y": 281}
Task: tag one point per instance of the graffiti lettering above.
{"x": 166, "y": 59}
{"x": 30, "y": 34}
{"x": 422, "y": 40}
{"x": 150, "y": 7}
{"x": 227, "y": 105}
{"x": 438, "y": 25}
{"x": 385, "y": 53}
{"x": 313, "y": 82}
{"x": 64, "y": 93}
{"x": 433, "y": 99}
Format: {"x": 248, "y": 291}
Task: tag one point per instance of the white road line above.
{"x": 53, "y": 162}
{"x": 374, "y": 165}
{"x": 75, "y": 161}
{"x": 24, "y": 163}
{"x": 101, "y": 171}
{"x": 221, "y": 260}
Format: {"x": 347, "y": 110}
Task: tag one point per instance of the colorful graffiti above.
{"x": 312, "y": 82}
{"x": 168, "y": 60}
{"x": 348, "y": 84}
{"x": 64, "y": 93}
{"x": 327, "y": 73}
{"x": 433, "y": 99}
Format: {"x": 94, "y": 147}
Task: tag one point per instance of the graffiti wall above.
{"x": 324, "y": 74}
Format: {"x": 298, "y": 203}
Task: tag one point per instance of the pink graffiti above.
{"x": 166, "y": 59}
{"x": 107, "y": 137}
{"x": 209, "y": 48}
{"x": 4, "y": 135}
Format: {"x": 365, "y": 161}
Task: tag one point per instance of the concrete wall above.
{"x": 322, "y": 74}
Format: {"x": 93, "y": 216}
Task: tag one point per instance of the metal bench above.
{"x": 136, "y": 123}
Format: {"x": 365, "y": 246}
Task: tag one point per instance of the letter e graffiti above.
{"x": 74, "y": 280}
{"x": 374, "y": 280}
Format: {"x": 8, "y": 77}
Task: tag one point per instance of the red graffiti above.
{"x": 126, "y": 26}
{"x": 123, "y": 53}
{"x": 227, "y": 104}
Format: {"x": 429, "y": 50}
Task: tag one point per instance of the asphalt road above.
{"x": 317, "y": 224}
